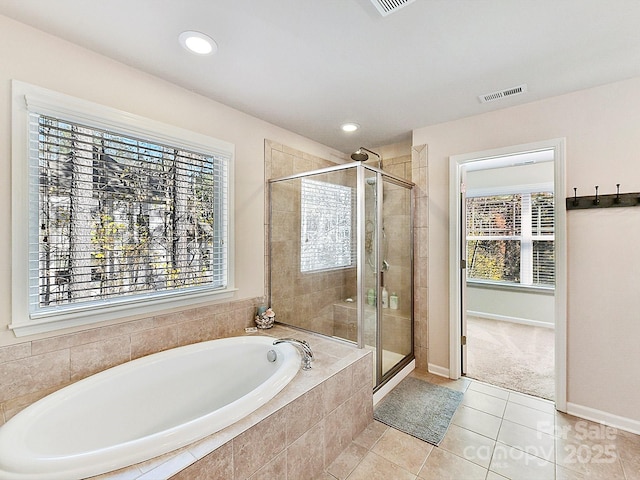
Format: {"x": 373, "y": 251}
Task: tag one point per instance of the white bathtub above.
{"x": 143, "y": 408}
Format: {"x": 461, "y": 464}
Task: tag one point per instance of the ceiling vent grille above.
{"x": 509, "y": 92}
{"x": 385, "y": 7}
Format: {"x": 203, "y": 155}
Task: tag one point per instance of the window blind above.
{"x": 325, "y": 226}
{"x": 543, "y": 228}
{"x": 500, "y": 249}
{"x": 119, "y": 216}
{"x": 495, "y": 216}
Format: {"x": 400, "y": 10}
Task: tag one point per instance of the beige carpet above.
{"x": 510, "y": 355}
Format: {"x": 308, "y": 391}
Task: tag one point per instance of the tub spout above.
{"x": 303, "y": 346}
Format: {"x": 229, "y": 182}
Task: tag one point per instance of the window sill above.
{"x": 90, "y": 316}
{"x": 511, "y": 287}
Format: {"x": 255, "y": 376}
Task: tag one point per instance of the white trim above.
{"x": 560, "y": 294}
{"x": 505, "y": 318}
{"x": 438, "y": 370}
{"x": 33, "y": 327}
{"x": 510, "y": 287}
{"x": 393, "y": 382}
{"x": 49, "y": 102}
{"x": 27, "y": 99}
{"x": 588, "y": 413}
{"x": 509, "y": 189}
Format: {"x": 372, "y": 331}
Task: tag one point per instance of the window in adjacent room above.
{"x": 510, "y": 238}
{"x": 120, "y": 215}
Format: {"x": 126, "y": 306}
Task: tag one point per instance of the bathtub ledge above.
{"x": 331, "y": 357}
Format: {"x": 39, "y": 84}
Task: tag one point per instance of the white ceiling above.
{"x": 310, "y": 65}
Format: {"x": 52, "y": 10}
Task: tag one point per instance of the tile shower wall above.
{"x": 302, "y": 300}
{"x": 403, "y": 161}
{"x": 33, "y": 369}
{"x": 420, "y": 255}
{"x": 396, "y": 219}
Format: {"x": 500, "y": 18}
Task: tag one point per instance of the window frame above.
{"x": 27, "y": 99}
{"x": 526, "y": 234}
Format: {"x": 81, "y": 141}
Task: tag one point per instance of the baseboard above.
{"x": 438, "y": 370}
{"x": 505, "y": 318}
{"x": 397, "y": 378}
{"x": 623, "y": 423}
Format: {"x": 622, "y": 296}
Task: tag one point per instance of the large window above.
{"x": 119, "y": 216}
{"x": 510, "y": 238}
{"x": 325, "y": 226}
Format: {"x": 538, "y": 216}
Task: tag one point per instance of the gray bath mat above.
{"x": 419, "y": 408}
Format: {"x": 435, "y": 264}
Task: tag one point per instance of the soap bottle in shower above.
{"x": 371, "y": 297}
{"x": 385, "y": 298}
{"x": 393, "y": 301}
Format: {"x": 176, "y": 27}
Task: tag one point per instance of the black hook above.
{"x": 575, "y": 196}
{"x": 597, "y": 200}
{"x": 617, "y": 199}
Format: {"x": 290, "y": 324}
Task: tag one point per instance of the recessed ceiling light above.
{"x": 350, "y": 127}
{"x": 198, "y": 43}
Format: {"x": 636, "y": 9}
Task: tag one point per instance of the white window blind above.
{"x": 113, "y": 214}
{"x": 542, "y": 223}
{"x": 325, "y": 226}
{"x": 117, "y": 216}
{"x": 510, "y": 238}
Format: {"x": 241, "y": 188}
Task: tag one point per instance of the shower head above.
{"x": 359, "y": 156}
{"x": 371, "y": 181}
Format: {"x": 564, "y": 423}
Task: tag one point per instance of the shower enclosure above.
{"x": 341, "y": 259}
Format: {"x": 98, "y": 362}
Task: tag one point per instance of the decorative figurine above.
{"x": 265, "y": 319}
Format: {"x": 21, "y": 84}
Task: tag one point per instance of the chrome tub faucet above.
{"x": 303, "y": 346}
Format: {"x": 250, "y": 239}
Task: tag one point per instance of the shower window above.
{"x": 325, "y": 226}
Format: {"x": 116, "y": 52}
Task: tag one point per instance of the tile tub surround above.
{"x": 33, "y": 369}
{"x": 296, "y": 435}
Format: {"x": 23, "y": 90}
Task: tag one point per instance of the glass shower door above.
{"x": 370, "y": 267}
{"x": 396, "y": 319}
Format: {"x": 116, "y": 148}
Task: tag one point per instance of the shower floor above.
{"x": 389, "y": 359}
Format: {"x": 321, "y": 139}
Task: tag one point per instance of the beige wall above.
{"x": 37, "y": 58}
{"x": 601, "y": 128}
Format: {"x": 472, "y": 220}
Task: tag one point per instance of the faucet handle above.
{"x": 303, "y": 346}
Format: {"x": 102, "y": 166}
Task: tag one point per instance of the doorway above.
{"x": 508, "y": 274}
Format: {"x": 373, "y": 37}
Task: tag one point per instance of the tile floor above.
{"x": 496, "y": 434}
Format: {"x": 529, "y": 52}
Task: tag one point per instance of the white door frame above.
{"x": 560, "y": 244}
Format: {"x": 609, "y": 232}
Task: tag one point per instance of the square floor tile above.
{"x": 532, "y": 402}
{"x": 530, "y": 417}
{"x": 528, "y": 440}
{"x": 487, "y": 403}
{"x": 442, "y": 465}
{"x": 477, "y": 421}
{"x": 402, "y": 449}
{"x": 371, "y": 434}
{"x": 347, "y": 461}
{"x": 374, "y": 467}
{"x": 518, "y": 465}
{"x": 468, "y": 445}
{"x": 489, "y": 390}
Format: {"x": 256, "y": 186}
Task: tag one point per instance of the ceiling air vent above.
{"x": 385, "y": 7}
{"x": 509, "y": 92}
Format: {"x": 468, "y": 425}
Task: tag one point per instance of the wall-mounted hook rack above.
{"x": 603, "y": 201}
